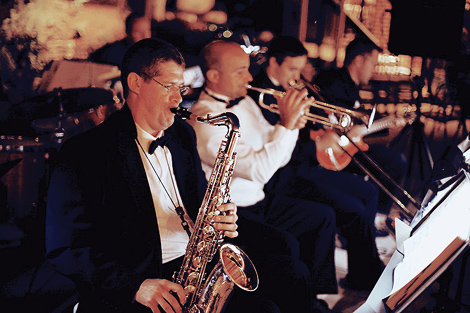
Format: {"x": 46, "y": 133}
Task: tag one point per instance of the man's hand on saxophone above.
{"x": 227, "y": 222}
{"x": 160, "y": 295}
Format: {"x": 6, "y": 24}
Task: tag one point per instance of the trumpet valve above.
{"x": 345, "y": 121}
{"x": 296, "y": 85}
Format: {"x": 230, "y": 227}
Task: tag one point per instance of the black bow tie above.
{"x": 233, "y": 102}
{"x": 162, "y": 141}
{"x": 229, "y": 103}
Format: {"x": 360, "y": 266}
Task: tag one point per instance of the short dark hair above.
{"x": 145, "y": 56}
{"x": 284, "y": 46}
{"x": 359, "y": 46}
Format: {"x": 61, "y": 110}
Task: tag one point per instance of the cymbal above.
{"x": 49, "y": 124}
{"x": 72, "y": 100}
{"x": 82, "y": 99}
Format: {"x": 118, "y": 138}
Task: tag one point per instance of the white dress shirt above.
{"x": 174, "y": 238}
{"x": 261, "y": 150}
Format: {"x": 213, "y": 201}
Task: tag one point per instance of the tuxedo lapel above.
{"x": 134, "y": 172}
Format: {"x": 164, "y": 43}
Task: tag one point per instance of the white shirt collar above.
{"x": 274, "y": 80}
{"x": 217, "y": 95}
{"x": 146, "y": 138}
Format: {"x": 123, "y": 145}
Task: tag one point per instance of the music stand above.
{"x": 416, "y": 131}
{"x": 434, "y": 224}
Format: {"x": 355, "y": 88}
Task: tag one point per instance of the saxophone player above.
{"x": 123, "y": 196}
{"x": 293, "y": 244}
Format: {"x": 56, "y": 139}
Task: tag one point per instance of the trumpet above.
{"x": 345, "y": 115}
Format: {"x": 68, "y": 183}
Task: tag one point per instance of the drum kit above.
{"x": 33, "y": 134}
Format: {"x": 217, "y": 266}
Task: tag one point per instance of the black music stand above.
{"x": 416, "y": 131}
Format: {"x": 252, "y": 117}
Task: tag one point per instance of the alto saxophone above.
{"x": 234, "y": 267}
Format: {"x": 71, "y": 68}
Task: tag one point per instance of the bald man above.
{"x": 307, "y": 226}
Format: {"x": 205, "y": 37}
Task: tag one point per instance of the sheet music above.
{"x": 450, "y": 220}
{"x": 386, "y": 284}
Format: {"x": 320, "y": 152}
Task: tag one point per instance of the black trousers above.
{"x": 291, "y": 242}
{"x": 355, "y": 203}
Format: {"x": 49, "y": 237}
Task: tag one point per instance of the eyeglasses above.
{"x": 181, "y": 89}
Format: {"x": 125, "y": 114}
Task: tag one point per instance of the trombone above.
{"x": 345, "y": 115}
{"x": 343, "y": 125}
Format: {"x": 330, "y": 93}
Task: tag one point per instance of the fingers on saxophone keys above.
{"x": 228, "y": 208}
{"x": 226, "y": 227}
{"x": 225, "y": 219}
{"x": 175, "y": 294}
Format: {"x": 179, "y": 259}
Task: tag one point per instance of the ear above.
{"x": 213, "y": 75}
{"x": 134, "y": 82}
{"x": 273, "y": 62}
{"x": 359, "y": 60}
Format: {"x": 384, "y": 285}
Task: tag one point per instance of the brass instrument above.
{"x": 345, "y": 119}
{"x": 315, "y": 90}
{"x": 209, "y": 294}
{"x": 344, "y": 125}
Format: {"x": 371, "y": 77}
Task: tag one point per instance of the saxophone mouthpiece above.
{"x": 181, "y": 112}
{"x": 185, "y": 114}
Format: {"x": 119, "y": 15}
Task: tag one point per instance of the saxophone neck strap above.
{"x": 178, "y": 209}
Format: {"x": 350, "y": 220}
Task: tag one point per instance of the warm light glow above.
{"x": 312, "y": 48}
{"x": 195, "y": 6}
{"x": 340, "y": 57}
{"x": 227, "y": 34}
{"x": 416, "y": 64}
{"x": 187, "y": 16}
{"x": 217, "y": 17}
{"x": 212, "y": 27}
{"x": 389, "y": 64}
{"x": 62, "y": 29}
{"x": 327, "y": 51}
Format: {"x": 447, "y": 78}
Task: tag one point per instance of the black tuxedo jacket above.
{"x": 101, "y": 228}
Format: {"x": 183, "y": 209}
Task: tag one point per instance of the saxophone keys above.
{"x": 192, "y": 280}
{"x": 201, "y": 245}
{"x": 196, "y": 262}
{"x": 208, "y": 230}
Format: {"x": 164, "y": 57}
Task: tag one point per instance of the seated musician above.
{"x": 112, "y": 225}
{"x": 341, "y": 87}
{"x": 263, "y": 149}
{"x": 353, "y": 199}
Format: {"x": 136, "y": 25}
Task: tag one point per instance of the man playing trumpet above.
{"x": 353, "y": 199}
{"x": 303, "y": 259}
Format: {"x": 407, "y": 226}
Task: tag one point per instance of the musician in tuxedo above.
{"x": 340, "y": 87}
{"x": 261, "y": 150}
{"x": 353, "y": 199}
{"x": 112, "y": 225}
